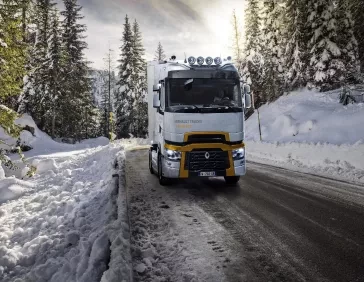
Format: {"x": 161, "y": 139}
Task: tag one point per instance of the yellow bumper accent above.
{"x": 188, "y": 148}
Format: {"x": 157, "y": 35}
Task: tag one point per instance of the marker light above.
{"x": 217, "y": 61}
{"x": 209, "y": 60}
{"x": 191, "y": 60}
{"x": 200, "y": 60}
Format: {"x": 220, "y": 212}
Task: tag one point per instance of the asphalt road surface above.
{"x": 275, "y": 225}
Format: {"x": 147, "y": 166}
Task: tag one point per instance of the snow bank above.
{"x": 43, "y": 143}
{"x": 120, "y": 266}
{"x": 62, "y": 225}
{"x": 340, "y": 162}
{"x": 309, "y": 117}
{"x": 310, "y": 132}
{"x": 44, "y": 148}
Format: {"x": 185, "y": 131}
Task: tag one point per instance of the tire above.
{"x": 232, "y": 180}
{"x": 164, "y": 181}
{"x": 150, "y": 162}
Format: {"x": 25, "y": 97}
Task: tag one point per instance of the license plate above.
{"x": 207, "y": 174}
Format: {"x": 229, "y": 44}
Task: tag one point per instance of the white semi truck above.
{"x": 196, "y": 119}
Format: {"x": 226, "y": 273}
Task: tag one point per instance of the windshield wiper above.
{"x": 197, "y": 108}
{"x": 229, "y": 107}
{"x": 182, "y": 108}
{"x": 221, "y": 106}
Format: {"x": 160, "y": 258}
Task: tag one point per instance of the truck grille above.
{"x": 197, "y": 161}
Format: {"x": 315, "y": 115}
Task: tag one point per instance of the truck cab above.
{"x": 196, "y": 119}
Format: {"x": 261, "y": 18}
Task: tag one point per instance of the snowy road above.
{"x": 277, "y": 225}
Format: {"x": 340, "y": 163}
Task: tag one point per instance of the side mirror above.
{"x": 248, "y": 101}
{"x": 156, "y": 87}
{"x": 156, "y": 101}
{"x": 246, "y": 89}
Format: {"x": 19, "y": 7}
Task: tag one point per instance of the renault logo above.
{"x": 207, "y": 155}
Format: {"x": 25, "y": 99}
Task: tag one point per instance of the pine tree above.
{"x": 139, "y": 79}
{"x": 29, "y": 29}
{"x": 237, "y": 41}
{"x": 35, "y": 99}
{"x": 327, "y": 69}
{"x": 104, "y": 106}
{"x": 76, "y": 104}
{"x": 55, "y": 73}
{"x": 348, "y": 43}
{"x": 159, "y": 54}
{"x": 124, "y": 98}
{"x": 12, "y": 70}
{"x": 108, "y": 86}
{"x": 357, "y": 8}
{"x": 12, "y": 50}
{"x": 252, "y": 61}
{"x": 273, "y": 42}
{"x": 296, "y": 49}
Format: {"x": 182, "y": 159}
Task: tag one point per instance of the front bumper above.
{"x": 171, "y": 169}
{"x": 177, "y": 169}
{"x": 240, "y": 167}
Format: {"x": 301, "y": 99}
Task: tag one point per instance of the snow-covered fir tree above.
{"x": 139, "y": 78}
{"x": 12, "y": 69}
{"x": 12, "y": 50}
{"x": 55, "y": 72}
{"x": 159, "y": 53}
{"x": 104, "y": 106}
{"x": 76, "y": 105}
{"x": 296, "y": 48}
{"x": 124, "y": 98}
{"x": 29, "y": 27}
{"x": 357, "y": 8}
{"x": 348, "y": 42}
{"x": 273, "y": 46}
{"x": 107, "y": 95}
{"x": 327, "y": 57}
{"x": 253, "y": 59}
{"x": 35, "y": 99}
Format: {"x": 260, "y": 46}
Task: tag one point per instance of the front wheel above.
{"x": 150, "y": 162}
{"x": 232, "y": 180}
{"x": 162, "y": 180}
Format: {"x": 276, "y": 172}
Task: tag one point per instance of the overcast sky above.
{"x": 194, "y": 27}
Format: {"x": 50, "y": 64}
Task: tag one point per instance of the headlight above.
{"x": 173, "y": 155}
{"x": 239, "y": 154}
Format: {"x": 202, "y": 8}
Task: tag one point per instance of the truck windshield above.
{"x": 204, "y": 92}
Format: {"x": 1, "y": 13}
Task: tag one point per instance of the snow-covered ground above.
{"x": 68, "y": 222}
{"x": 310, "y": 132}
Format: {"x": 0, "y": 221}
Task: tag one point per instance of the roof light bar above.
{"x": 191, "y": 60}
{"x": 209, "y": 61}
{"x": 217, "y": 61}
{"x": 200, "y": 60}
